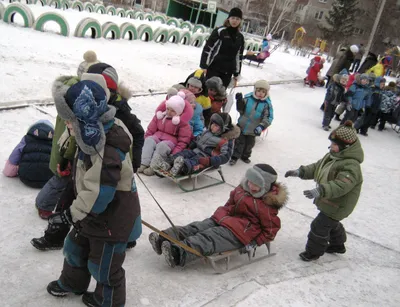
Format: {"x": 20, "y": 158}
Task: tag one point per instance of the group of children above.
{"x": 365, "y": 99}
{"x": 99, "y": 197}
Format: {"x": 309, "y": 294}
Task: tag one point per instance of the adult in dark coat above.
{"x": 222, "y": 55}
{"x": 369, "y": 62}
{"x": 343, "y": 59}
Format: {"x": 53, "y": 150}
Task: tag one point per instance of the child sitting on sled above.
{"x": 213, "y": 147}
{"x": 248, "y": 219}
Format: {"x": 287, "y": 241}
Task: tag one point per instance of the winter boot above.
{"x": 142, "y": 168}
{"x": 54, "y": 289}
{"x": 337, "y": 117}
{"x": 307, "y": 256}
{"x": 53, "y": 238}
{"x": 178, "y": 165}
{"x": 246, "y": 160}
{"x": 131, "y": 245}
{"x": 149, "y": 171}
{"x": 170, "y": 253}
{"x": 326, "y": 128}
{"x": 159, "y": 163}
{"x": 44, "y": 245}
{"x": 337, "y": 249}
{"x": 89, "y": 299}
{"x": 156, "y": 242}
{"x": 232, "y": 161}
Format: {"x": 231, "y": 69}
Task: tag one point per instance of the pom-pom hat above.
{"x": 344, "y": 136}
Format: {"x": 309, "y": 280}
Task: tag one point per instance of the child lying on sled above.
{"x": 213, "y": 147}
{"x": 248, "y": 219}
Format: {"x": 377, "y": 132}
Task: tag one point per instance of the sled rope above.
{"x": 162, "y": 210}
{"x": 173, "y": 240}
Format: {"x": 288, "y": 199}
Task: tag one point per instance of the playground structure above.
{"x": 297, "y": 40}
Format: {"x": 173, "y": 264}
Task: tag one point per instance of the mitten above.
{"x": 63, "y": 218}
{"x": 239, "y": 96}
{"x": 349, "y": 107}
{"x": 205, "y": 161}
{"x": 258, "y": 130}
{"x": 314, "y": 193}
{"x": 292, "y": 173}
{"x": 64, "y": 169}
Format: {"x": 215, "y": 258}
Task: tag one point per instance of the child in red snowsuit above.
{"x": 312, "y": 73}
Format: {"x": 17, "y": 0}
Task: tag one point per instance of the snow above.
{"x": 367, "y": 275}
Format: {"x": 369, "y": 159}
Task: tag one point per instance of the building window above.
{"x": 318, "y": 15}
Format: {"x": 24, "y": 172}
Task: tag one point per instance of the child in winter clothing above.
{"x": 387, "y": 105}
{"x": 248, "y": 219}
{"x": 256, "y": 114}
{"x": 339, "y": 180}
{"x": 213, "y": 148}
{"x": 30, "y": 158}
{"x": 196, "y": 84}
{"x": 335, "y": 94}
{"x": 356, "y": 96}
{"x": 106, "y": 211}
{"x": 197, "y": 121}
{"x": 372, "y": 107}
{"x": 313, "y": 70}
{"x": 168, "y": 132}
{"x": 217, "y": 95}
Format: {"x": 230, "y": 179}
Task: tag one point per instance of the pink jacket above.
{"x": 164, "y": 130}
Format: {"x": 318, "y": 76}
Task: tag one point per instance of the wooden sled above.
{"x": 256, "y": 62}
{"x": 225, "y": 257}
{"x": 193, "y": 177}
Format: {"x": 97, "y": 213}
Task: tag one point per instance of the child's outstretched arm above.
{"x": 11, "y": 167}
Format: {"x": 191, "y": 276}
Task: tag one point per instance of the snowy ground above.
{"x": 367, "y": 275}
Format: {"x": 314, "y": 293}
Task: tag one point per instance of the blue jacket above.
{"x": 357, "y": 95}
{"x": 375, "y": 99}
{"x": 254, "y": 112}
{"x": 197, "y": 121}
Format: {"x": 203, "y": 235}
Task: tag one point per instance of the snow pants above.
{"x": 225, "y": 76}
{"x": 85, "y": 258}
{"x": 151, "y": 147}
{"x": 243, "y": 146}
{"x": 191, "y": 160}
{"x": 329, "y": 113}
{"x": 350, "y": 115}
{"x": 51, "y": 193}
{"x": 207, "y": 237}
{"x": 383, "y": 118}
{"x": 324, "y": 231}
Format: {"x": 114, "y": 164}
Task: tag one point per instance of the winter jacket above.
{"x": 223, "y": 51}
{"x": 164, "y": 130}
{"x": 335, "y": 93}
{"x": 315, "y": 68}
{"x": 388, "y": 101}
{"x": 357, "y": 95}
{"x": 340, "y": 179}
{"x": 218, "y": 148}
{"x": 343, "y": 59}
{"x": 370, "y": 61}
{"x": 107, "y": 205}
{"x": 30, "y": 158}
{"x": 264, "y": 51}
{"x": 204, "y": 101}
{"x": 374, "y": 103}
{"x": 252, "y": 219}
{"x": 132, "y": 123}
{"x": 254, "y": 112}
{"x": 197, "y": 121}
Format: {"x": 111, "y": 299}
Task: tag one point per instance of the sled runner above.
{"x": 257, "y": 62}
{"x": 224, "y": 257}
{"x": 194, "y": 178}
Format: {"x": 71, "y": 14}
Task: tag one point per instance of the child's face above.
{"x": 261, "y": 93}
{"x": 170, "y": 112}
{"x": 343, "y": 81}
{"x": 70, "y": 128}
{"x": 381, "y": 85}
{"x": 215, "y": 129}
{"x": 334, "y": 147}
{"x": 193, "y": 89}
{"x": 364, "y": 81}
{"x": 253, "y": 187}
{"x": 212, "y": 92}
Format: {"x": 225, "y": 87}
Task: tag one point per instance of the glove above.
{"x": 239, "y": 96}
{"x": 314, "y": 193}
{"x": 349, "y": 107}
{"x": 61, "y": 218}
{"x": 292, "y": 173}
{"x": 64, "y": 169}
{"x": 258, "y": 130}
{"x": 205, "y": 161}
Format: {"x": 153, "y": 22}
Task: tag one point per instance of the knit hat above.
{"x": 189, "y": 96}
{"x": 89, "y": 58}
{"x": 42, "y": 129}
{"x": 236, "y": 12}
{"x": 85, "y": 106}
{"x": 263, "y": 84}
{"x": 362, "y": 77}
{"x": 99, "y": 79}
{"x": 223, "y": 120}
{"x": 344, "y": 135}
{"x": 109, "y": 73}
{"x": 343, "y": 74}
{"x": 215, "y": 83}
{"x": 269, "y": 37}
{"x": 354, "y": 49}
{"x": 177, "y": 103}
{"x": 371, "y": 77}
{"x": 196, "y": 82}
{"x": 379, "y": 80}
{"x": 262, "y": 175}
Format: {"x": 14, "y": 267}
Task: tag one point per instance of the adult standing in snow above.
{"x": 343, "y": 59}
{"x": 222, "y": 55}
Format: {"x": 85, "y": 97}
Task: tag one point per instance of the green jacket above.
{"x": 59, "y": 155}
{"x": 340, "y": 179}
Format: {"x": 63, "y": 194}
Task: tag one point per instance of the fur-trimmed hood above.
{"x": 59, "y": 89}
{"x": 231, "y": 134}
{"x": 277, "y": 197}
